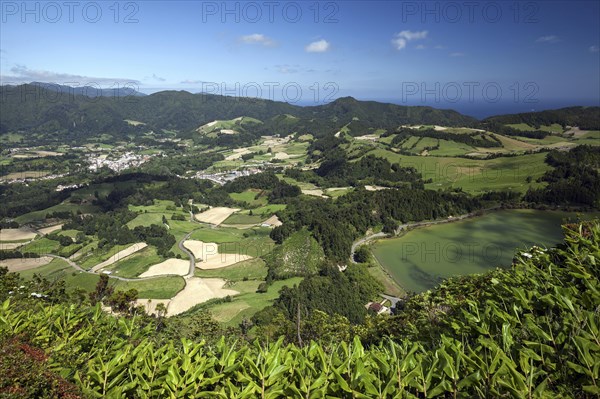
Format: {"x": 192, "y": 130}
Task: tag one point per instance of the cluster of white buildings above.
{"x": 125, "y": 161}
{"x": 224, "y": 177}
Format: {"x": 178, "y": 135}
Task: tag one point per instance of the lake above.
{"x": 421, "y": 258}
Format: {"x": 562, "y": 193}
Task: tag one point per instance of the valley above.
{"x": 264, "y": 223}
{"x": 161, "y": 209}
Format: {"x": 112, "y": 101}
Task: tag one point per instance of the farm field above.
{"x": 419, "y": 259}
{"x": 474, "y": 176}
{"x": 136, "y": 264}
{"x": 168, "y": 267}
{"x": 196, "y": 291}
{"x": 248, "y": 301}
{"x": 215, "y": 215}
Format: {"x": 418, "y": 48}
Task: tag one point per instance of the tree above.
{"x": 123, "y": 301}
{"x": 65, "y": 241}
{"x": 362, "y": 254}
{"x": 102, "y": 290}
{"x": 80, "y": 238}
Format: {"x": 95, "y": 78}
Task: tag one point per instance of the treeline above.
{"x": 279, "y": 190}
{"x": 587, "y": 118}
{"x": 574, "y": 179}
{"x": 173, "y": 163}
{"x": 146, "y": 187}
{"x": 337, "y": 171}
{"x": 111, "y": 229}
{"x": 331, "y": 291}
{"x": 335, "y": 225}
{"x": 500, "y": 128}
{"x": 18, "y": 199}
{"x": 472, "y": 139}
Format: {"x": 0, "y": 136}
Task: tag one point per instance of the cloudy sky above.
{"x": 397, "y": 51}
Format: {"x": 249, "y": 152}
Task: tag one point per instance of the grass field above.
{"x": 58, "y": 269}
{"x": 554, "y": 128}
{"x": 41, "y": 246}
{"x": 156, "y": 288}
{"x": 248, "y": 302}
{"x": 548, "y": 140}
{"x": 91, "y": 259}
{"x": 64, "y": 207}
{"x": 249, "y": 197}
{"x": 243, "y": 218}
{"x": 268, "y": 210}
{"x": 218, "y": 234}
{"x": 451, "y": 148}
{"x": 474, "y": 176}
{"x": 390, "y": 287}
{"x": 251, "y": 269}
{"x": 258, "y": 243}
{"x": 136, "y": 264}
{"x": 421, "y": 258}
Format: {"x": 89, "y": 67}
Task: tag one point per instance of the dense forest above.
{"x": 573, "y": 180}
{"x": 335, "y": 225}
{"x": 528, "y": 331}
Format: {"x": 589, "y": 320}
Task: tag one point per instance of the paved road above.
{"x": 180, "y": 244}
{"x": 189, "y": 254}
{"x": 360, "y": 242}
{"x": 79, "y": 268}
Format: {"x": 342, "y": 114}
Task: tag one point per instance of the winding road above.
{"x": 189, "y": 254}
{"x": 180, "y": 244}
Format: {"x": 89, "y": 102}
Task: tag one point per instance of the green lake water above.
{"x": 421, "y": 258}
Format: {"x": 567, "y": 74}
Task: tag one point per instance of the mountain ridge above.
{"x": 36, "y": 107}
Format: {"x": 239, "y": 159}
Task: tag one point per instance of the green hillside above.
{"x": 298, "y": 255}
{"x": 531, "y": 331}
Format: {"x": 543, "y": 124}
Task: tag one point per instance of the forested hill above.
{"x": 587, "y": 118}
{"x": 33, "y": 107}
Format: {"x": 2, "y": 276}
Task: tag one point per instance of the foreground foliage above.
{"x": 529, "y": 332}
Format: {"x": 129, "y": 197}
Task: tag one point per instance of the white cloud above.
{"x": 22, "y": 74}
{"x": 401, "y": 39}
{"x": 156, "y": 77}
{"x": 548, "y": 39}
{"x": 594, "y": 49}
{"x": 287, "y": 68}
{"x": 457, "y": 54}
{"x": 420, "y": 47}
{"x": 319, "y": 46}
{"x": 257, "y": 38}
{"x": 190, "y": 82}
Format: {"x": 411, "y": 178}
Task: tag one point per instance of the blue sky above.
{"x": 529, "y": 54}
